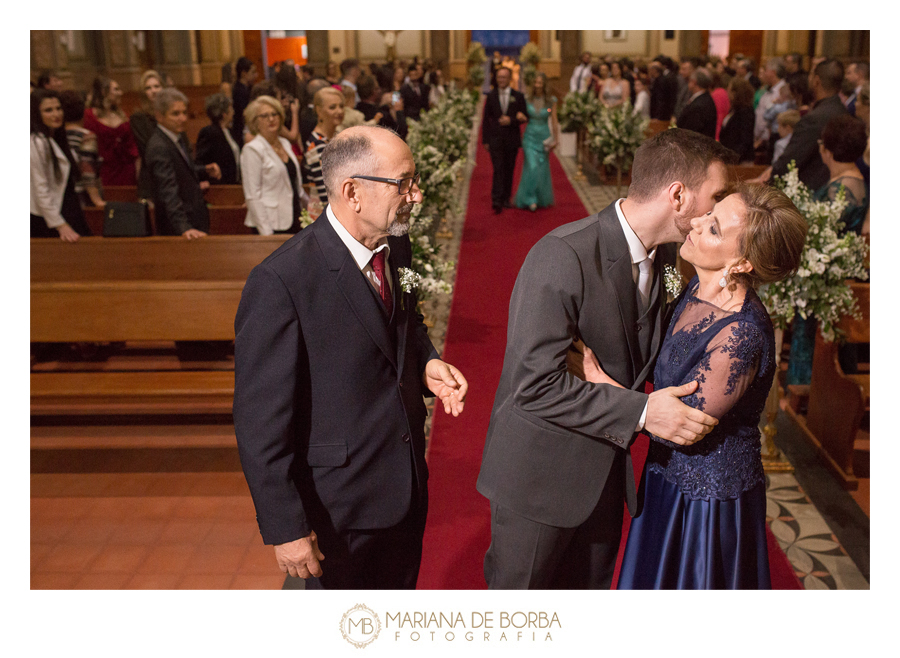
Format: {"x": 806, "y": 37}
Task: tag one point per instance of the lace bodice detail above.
{"x": 732, "y": 356}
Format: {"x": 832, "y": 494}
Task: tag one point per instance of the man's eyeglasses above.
{"x": 404, "y": 185}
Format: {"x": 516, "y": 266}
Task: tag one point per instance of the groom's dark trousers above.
{"x": 556, "y": 464}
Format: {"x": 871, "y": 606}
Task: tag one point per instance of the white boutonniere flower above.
{"x": 409, "y": 281}
{"x": 674, "y": 282}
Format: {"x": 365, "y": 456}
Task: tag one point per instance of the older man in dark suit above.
{"x": 556, "y": 464}
{"x": 177, "y": 182}
{"x": 824, "y": 83}
{"x": 331, "y": 363}
{"x": 699, "y": 114}
{"x": 504, "y": 112}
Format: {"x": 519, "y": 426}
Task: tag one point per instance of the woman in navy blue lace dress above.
{"x": 703, "y": 524}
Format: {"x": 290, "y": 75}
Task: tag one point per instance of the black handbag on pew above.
{"x": 126, "y": 219}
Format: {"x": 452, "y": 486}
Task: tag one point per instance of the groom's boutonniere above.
{"x": 409, "y": 281}
{"x": 674, "y": 282}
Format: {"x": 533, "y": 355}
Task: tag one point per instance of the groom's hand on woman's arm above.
{"x": 671, "y": 419}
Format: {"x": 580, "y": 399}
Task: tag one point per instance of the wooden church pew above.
{"x": 101, "y": 290}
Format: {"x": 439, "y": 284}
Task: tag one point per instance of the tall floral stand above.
{"x": 579, "y": 156}
{"x": 772, "y": 459}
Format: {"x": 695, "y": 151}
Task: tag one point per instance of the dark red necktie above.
{"x": 383, "y": 286}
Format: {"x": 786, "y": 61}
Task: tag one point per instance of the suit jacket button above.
{"x": 406, "y": 438}
{"x": 638, "y": 326}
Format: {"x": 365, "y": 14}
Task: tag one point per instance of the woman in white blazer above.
{"x": 270, "y": 173}
{"x": 55, "y": 208}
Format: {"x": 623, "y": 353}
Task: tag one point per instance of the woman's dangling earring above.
{"x": 723, "y": 282}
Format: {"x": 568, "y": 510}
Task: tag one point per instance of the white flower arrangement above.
{"x": 409, "y": 279}
{"x": 439, "y": 142}
{"x": 819, "y": 286}
{"x": 616, "y": 133}
{"x": 674, "y": 281}
{"x": 579, "y": 110}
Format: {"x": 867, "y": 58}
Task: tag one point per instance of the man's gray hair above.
{"x": 349, "y": 155}
{"x": 776, "y": 64}
{"x": 701, "y": 79}
{"x": 166, "y": 98}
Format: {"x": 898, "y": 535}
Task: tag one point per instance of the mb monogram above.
{"x": 361, "y": 626}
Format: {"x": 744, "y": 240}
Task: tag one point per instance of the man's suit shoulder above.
{"x": 582, "y": 228}
{"x": 295, "y": 256}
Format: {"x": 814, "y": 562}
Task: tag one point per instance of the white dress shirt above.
{"x": 638, "y": 253}
{"x": 361, "y": 253}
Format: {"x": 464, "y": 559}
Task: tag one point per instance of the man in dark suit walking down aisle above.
{"x": 331, "y": 363}
{"x": 557, "y": 463}
{"x": 504, "y": 112}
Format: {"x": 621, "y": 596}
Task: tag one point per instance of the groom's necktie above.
{"x": 645, "y": 280}
{"x": 384, "y": 288}
{"x": 504, "y": 99}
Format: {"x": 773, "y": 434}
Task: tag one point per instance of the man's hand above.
{"x": 214, "y": 171}
{"x": 522, "y": 118}
{"x": 193, "y": 234}
{"x": 448, "y": 384}
{"x": 300, "y": 558}
{"x": 671, "y": 419}
{"x": 67, "y": 233}
{"x": 504, "y": 120}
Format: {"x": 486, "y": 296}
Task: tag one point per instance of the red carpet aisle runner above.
{"x": 492, "y": 250}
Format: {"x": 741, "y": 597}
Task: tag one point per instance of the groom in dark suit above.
{"x": 331, "y": 363}
{"x": 504, "y": 112}
{"x": 556, "y": 464}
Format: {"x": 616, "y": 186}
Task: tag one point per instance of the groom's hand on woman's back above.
{"x": 671, "y": 419}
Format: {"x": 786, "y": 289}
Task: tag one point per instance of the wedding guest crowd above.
{"x": 772, "y": 119}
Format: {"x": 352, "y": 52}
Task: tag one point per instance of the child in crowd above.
{"x": 785, "y": 125}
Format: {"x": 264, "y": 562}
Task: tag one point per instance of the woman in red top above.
{"x": 120, "y": 160}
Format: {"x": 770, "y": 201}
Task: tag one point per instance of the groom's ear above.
{"x": 676, "y": 195}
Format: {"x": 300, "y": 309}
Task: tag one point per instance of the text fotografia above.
{"x": 479, "y": 626}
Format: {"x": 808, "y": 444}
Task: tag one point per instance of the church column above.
{"x": 122, "y": 57}
{"x": 179, "y": 56}
{"x": 49, "y": 52}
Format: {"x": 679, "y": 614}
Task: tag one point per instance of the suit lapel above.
{"x": 356, "y": 289}
{"x": 618, "y": 269}
{"x": 400, "y": 257}
{"x": 179, "y": 155}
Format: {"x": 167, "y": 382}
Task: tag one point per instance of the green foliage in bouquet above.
{"x": 819, "y": 287}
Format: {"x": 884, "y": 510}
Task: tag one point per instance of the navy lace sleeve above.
{"x": 732, "y": 357}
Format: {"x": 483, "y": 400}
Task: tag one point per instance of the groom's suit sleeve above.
{"x": 545, "y": 311}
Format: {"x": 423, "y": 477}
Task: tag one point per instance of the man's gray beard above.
{"x": 398, "y": 227}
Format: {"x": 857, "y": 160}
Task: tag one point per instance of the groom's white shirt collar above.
{"x": 635, "y": 247}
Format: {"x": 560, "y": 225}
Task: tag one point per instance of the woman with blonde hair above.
{"x": 270, "y": 172}
{"x": 703, "y": 524}
{"x": 541, "y": 136}
{"x": 143, "y": 123}
{"x": 329, "y": 106}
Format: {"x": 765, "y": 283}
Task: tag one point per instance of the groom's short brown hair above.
{"x": 674, "y": 155}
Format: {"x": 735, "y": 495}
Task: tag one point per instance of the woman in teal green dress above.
{"x": 541, "y": 136}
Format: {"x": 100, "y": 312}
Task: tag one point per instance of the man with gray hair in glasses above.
{"x": 331, "y": 364}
